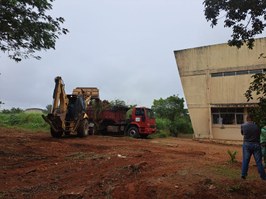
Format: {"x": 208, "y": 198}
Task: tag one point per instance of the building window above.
{"x": 228, "y": 116}
{"x": 229, "y": 73}
{"x": 217, "y": 75}
{"x": 242, "y": 72}
{"x": 235, "y": 73}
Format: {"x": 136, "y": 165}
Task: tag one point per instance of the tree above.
{"x": 117, "y": 102}
{"x": 258, "y": 87}
{"x": 26, "y": 28}
{"x": 171, "y": 115}
{"x": 169, "y": 108}
{"x": 245, "y": 17}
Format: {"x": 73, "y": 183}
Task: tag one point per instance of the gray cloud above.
{"x": 123, "y": 47}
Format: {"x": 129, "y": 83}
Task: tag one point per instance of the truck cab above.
{"x": 141, "y": 122}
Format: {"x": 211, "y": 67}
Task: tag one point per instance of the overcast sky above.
{"x": 123, "y": 47}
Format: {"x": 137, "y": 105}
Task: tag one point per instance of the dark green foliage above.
{"x": 26, "y": 28}
{"x": 162, "y": 123}
{"x": 246, "y": 18}
{"x": 169, "y": 108}
{"x": 258, "y": 88}
{"x": 180, "y": 125}
{"x": 12, "y": 110}
{"x": 117, "y": 102}
{"x": 171, "y": 116}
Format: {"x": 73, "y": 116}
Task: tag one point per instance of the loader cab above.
{"x": 76, "y": 106}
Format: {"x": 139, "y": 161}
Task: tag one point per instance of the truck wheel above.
{"x": 133, "y": 132}
{"x": 56, "y": 134}
{"x": 83, "y": 129}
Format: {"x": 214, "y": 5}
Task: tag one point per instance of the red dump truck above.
{"x": 134, "y": 122}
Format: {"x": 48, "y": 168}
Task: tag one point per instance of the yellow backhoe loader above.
{"x": 68, "y": 114}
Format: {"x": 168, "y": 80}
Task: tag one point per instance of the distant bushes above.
{"x": 31, "y": 121}
{"x": 166, "y": 128}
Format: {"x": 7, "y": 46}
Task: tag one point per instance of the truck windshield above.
{"x": 150, "y": 113}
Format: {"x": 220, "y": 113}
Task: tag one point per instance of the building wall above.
{"x": 34, "y": 110}
{"x": 203, "y": 91}
{"x": 229, "y": 89}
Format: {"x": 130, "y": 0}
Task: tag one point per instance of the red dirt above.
{"x": 35, "y": 165}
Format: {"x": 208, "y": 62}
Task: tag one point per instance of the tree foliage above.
{"x": 26, "y": 28}
{"x": 245, "y": 17}
{"x": 117, "y": 102}
{"x": 12, "y": 111}
{"x": 169, "y": 108}
{"x": 171, "y": 114}
{"x": 258, "y": 88}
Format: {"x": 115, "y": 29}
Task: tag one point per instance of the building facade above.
{"x": 214, "y": 80}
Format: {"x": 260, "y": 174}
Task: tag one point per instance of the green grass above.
{"x": 231, "y": 170}
{"x": 28, "y": 121}
{"x": 227, "y": 171}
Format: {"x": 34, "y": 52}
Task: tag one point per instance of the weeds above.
{"x": 232, "y": 156}
{"x": 227, "y": 171}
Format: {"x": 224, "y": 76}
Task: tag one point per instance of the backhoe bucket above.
{"x": 54, "y": 121}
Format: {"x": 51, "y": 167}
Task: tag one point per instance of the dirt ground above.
{"x": 35, "y": 165}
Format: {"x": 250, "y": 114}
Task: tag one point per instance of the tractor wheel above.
{"x": 133, "y": 132}
{"x": 83, "y": 129}
{"x": 56, "y": 134}
{"x": 92, "y": 128}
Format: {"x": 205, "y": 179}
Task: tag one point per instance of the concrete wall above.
{"x": 202, "y": 91}
{"x": 229, "y": 89}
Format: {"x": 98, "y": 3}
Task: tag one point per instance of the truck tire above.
{"x": 83, "y": 129}
{"x": 56, "y": 134}
{"x": 133, "y": 132}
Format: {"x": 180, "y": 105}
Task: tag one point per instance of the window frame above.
{"x": 229, "y": 115}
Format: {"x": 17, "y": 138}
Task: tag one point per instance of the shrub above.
{"x": 31, "y": 121}
{"x": 160, "y": 134}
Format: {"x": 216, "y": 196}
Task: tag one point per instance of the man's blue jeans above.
{"x": 249, "y": 149}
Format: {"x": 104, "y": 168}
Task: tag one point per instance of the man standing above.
{"x": 251, "y": 146}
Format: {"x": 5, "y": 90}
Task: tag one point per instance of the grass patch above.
{"x": 233, "y": 171}
{"x": 227, "y": 171}
{"x": 27, "y": 121}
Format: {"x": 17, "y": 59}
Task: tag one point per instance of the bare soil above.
{"x": 35, "y": 165}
